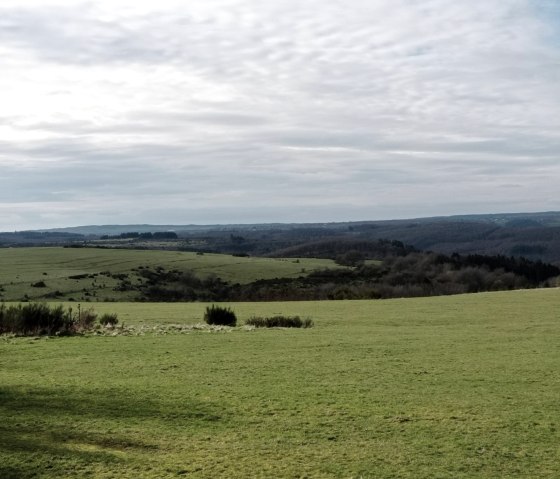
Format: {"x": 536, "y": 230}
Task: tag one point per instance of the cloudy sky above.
{"x": 241, "y": 111}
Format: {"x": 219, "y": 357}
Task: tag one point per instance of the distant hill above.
{"x": 548, "y": 218}
{"x": 535, "y": 236}
{"x": 515, "y": 220}
{"x": 99, "y": 230}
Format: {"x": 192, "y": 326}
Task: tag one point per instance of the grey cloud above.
{"x": 68, "y": 35}
{"x": 368, "y": 109}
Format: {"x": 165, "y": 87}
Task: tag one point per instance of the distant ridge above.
{"x": 145, "y": 228}
{"x": 535, "y": 236}
{"x": 538, "y": 219}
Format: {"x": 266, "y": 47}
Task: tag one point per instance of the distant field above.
{"x": 447, "y": 387}
{"x": 20, "y": 268}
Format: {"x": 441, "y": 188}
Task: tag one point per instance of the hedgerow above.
{"x": 279, "y": 322}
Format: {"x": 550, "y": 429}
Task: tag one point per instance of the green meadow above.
{"x": 60, "y": 270}
{"x": 445, "y": 387}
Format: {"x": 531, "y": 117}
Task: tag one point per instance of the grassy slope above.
{"x": 21, "y": 267}
{"x": 462, "y": 387}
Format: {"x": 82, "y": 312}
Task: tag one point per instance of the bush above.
{"x": 109, "y": 319}
{"x": 280, "y": 322}
{"x": 220, "y": 316}
{"x": 85, "y": 320}
{"x": 34, "y": 319}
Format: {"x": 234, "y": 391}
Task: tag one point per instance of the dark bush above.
{"x": 120, "y": 276}
{"x": 39, "y": 284}
{"x": 220, "y": 316}
{"x": 109, "y": 319}
{"x": 78, "y": 276}
{"x": 350, "y": 258}
{"x": 35, "y": 319}
{"x": 280, "y": 322}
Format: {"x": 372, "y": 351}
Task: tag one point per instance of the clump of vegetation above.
{"x": 109, "y": 319}
{"x": 39, "y": 319}
{"x": 279, "y": 322}
{"x": 35, "y": 319}
{"x": 219, "y": 315}
{"x": 78, "y": 276}
{"x": 39, "y": 284}
{"x": 85, "y": 319}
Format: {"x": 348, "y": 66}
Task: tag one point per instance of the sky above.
{"x": 251, "y": 111}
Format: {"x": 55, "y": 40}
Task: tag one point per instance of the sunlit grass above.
{"x": 448, "y": 387}
{"x": 22, "y": 267}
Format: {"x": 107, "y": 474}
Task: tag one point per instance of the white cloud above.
{"x": 242, "y": 111}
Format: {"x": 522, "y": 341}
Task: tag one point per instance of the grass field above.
{"x": 446, "y": 387}
{"x": 22, "y": 267}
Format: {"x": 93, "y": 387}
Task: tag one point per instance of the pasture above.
{"x": 92, "y": 274}
{"x": 445, "y": 387}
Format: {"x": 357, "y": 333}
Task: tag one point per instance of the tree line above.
{"x": 408, "y": 275}
{"x": 137, "y": 235}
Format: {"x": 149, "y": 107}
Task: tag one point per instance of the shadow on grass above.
{"x": 54, "y": 432}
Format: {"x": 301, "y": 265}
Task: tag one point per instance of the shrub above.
{"x": 78, "y": 276}
{"x": 85, "y": 319}
{"x": 307, "y": 323}
{"x": 34, "y": 319}
{"x": 109, "y": 319}
{"x": 279, "y": 322}
{"x": 220, "y": 316}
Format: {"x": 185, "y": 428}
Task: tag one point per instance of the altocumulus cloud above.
{"x": 246, "y": 111}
